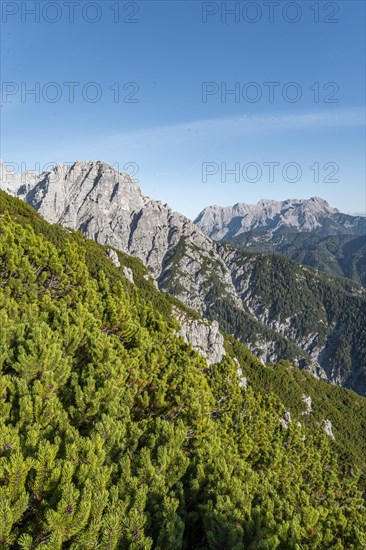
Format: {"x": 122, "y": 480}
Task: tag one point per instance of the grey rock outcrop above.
{"x": 203, "y": 336}
{"x": 113, "y": 256}
{"x": 308, "y": 402}
{"x": 286, "y": 420}
{"x": 327, "y": 425}
{"x": 16, "y": 183}
{"x": 243, "y": 381}
{"x": 128, "y": 273}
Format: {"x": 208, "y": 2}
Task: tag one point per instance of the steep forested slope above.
{"x": 325, "y": 317}
{"x": 336, "y": 255}
{"x": 114, "y": 433}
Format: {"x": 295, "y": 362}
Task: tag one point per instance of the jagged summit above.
{"x": 312, "y": 214}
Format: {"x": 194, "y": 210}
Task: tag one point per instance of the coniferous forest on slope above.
{"x": 114, "y": 433}
{"x": 336, "y": 255}
{"x": 298, "y": 312}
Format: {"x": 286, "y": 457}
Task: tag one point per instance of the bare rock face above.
{"x": 242, "y": 380}
{"x": 113, "y": 256}
{"x": 128, "y": 274}
{"x": 327, "y": 425}
{"x": 110, "y": 208}
{"x": 286, "y": 420}
{"x": 307, "y": 401}
{"x": 204, "y": 337}
{"x": 313, "y": 214}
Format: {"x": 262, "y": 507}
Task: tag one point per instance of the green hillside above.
{"x": 306, "y": 305}
{"x": 336, "y": 255}
{"x": 114, "y": 434}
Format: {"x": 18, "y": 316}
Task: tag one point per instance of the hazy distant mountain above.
{"x": 308, "y": 231}
{"x": 315, "y": 214}
{"x": 278, "y": 308}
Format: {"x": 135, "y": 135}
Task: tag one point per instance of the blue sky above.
{"x": 172, "y": 124}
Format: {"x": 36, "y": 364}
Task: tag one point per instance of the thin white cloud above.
{"x": 339, "y": 118}
{"x": 172, "y": 143}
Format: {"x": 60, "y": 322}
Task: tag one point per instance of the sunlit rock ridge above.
{"x": 312, "y": 214}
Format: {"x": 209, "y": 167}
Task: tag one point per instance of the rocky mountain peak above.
{"x": 63, "y": 192}
{"x": 312, "y": 214}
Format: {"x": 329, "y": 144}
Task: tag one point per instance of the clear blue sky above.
{"x": 169, "y": 132}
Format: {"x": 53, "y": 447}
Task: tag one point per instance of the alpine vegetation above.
{"x": 116, "y": 433}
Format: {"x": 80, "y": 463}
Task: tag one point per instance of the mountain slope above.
{"x": 336, "y": 255}
{"x": 116, "y": 434}
{"x": 315, "y": 214}
{"x": 213, "y": 279}
{"x": 345, "y": 409}
{"x": 110, "y": 208}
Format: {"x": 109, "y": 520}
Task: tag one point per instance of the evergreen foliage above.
{"x": 336, "y": 255}
{"x": 308, "y": 305}
{"x": 115, "y": 434}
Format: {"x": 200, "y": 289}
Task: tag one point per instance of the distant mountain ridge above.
{"x": 308, "y": 231}
{"x": 279, "y": 309}
{"x": 314, "y": 214}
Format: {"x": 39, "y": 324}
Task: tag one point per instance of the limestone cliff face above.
{"x": 209, "y": 277}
